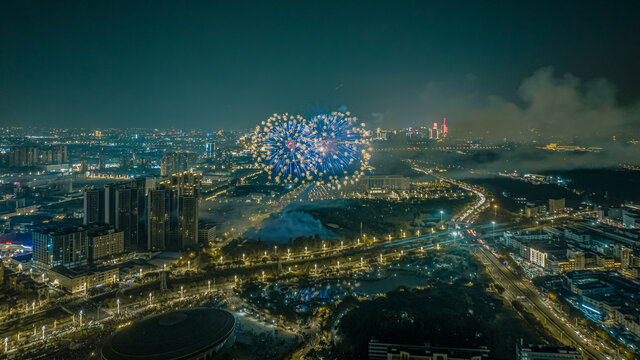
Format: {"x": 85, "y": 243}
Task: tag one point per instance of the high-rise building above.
{"x": 176, "y": 162}
{"x": 438, "y": 131}
{"x": 59, "y": 154}
{"x": 129, "y": 215}
{"x": 186, "y": 183}
{"x": 173, "y": 212}
{"x": 110, "y": 203}
{"x": 94, "y": 206}
{"x": 186, "y": 187}
{"x": 68, "y": 247}
{"x": 24, "y": 155}
{"x": 105, "y": 242}
{"x": 188, "y": 221}
{"x": 159, "y": 205}
{"x": 31, "y": 155}
{"x": 56, "y": 154}
{"x": 209, "y": 150}
{"x": 556, "y": 205}
{"x": 125, "y": 208}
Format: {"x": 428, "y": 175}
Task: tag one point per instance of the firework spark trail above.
{"x": 328, "y": 149}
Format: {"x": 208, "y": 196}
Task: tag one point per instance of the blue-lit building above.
{"x": 210, "y": 150}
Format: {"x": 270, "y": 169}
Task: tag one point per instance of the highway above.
{"x": 471, "y": 210}
{"x": 517, "y": 288}
{"x": 514, "y": 285}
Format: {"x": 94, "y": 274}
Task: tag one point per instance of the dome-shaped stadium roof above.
{"x": 181, "y": 334}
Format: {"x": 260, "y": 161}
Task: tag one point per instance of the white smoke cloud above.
{"x": 289, "y": 224}
{"x": 550, "y": 107}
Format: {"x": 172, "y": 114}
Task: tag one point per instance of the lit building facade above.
{"x": 105, "y": 243}
{"x": 82, "y": 279}
{"x": 68, "y": 247}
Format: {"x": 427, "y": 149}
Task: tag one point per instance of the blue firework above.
{"x": 338, "y": 143}
{"x": 329, "y": 148}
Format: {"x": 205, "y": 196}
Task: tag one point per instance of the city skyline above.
{"x": 310, "y": 180}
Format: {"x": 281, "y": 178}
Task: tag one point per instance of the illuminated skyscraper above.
{"x": 437, "y": 132}
{"x": 173, "y": 212}
{"x": 125, "y": 208}
{"x": 188, "y": 221}
{"x": 158, "y": 219}
{"x": 210, "y": 150}
{"x": 94, "y": 206}
{"x": 187, "y": 187}
{"x": 176, "y": 162}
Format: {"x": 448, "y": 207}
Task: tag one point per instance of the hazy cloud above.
{"x": 551, "y": 107}
{"x": 289, "y": 224}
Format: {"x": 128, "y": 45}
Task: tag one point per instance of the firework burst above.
{"x": 328, "y": 149}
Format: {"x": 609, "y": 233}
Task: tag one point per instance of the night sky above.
{"x": 231, "y": 64}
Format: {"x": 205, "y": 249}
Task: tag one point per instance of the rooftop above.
{"x": 548, "y": 349}
{"x": 82, "y": 271}
{"x": 177, "y": 335}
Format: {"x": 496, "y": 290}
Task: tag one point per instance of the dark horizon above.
{"x": 231, "y": 65}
